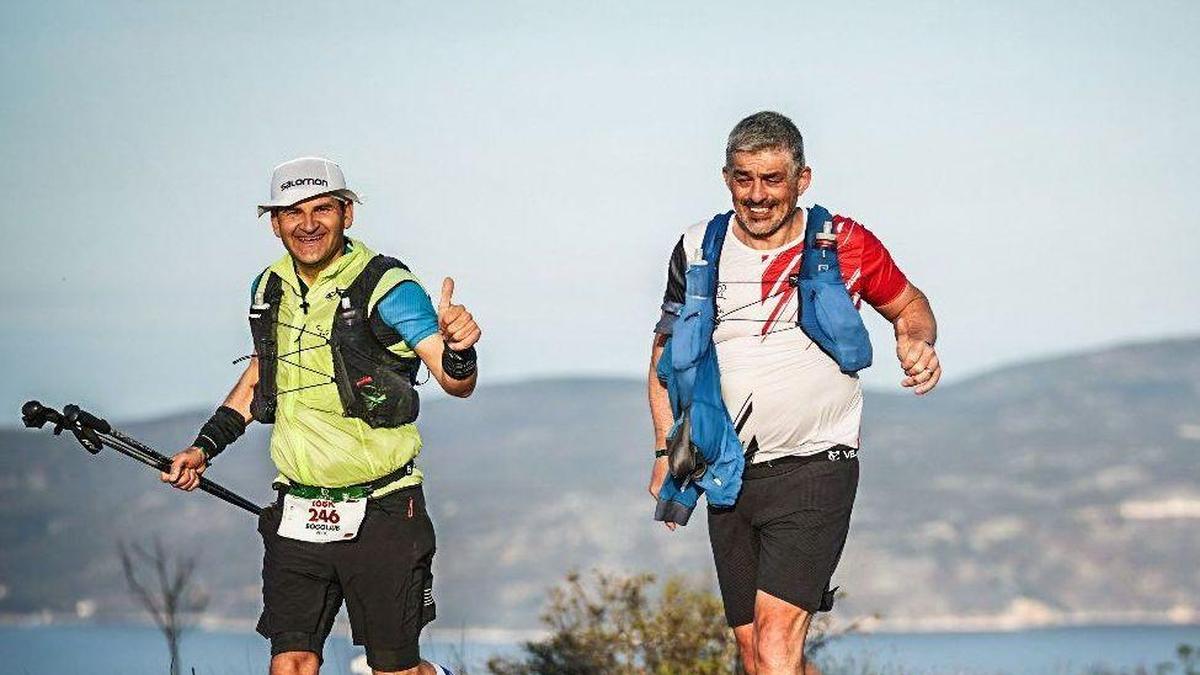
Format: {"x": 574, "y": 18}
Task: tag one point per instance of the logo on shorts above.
{"x": 428, "y": 597}
{"x": 848, "y": 453}
{"x": 319, "y": 182}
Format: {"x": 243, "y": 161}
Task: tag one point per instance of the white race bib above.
{"x": 321, "y": 520}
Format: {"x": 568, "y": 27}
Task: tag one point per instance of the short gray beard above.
{"x": 772, "y": 230}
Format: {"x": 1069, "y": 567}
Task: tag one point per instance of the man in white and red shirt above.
{"x": 796, "y": 413}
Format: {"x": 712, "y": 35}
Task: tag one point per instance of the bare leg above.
{"x": 779, "y": 632}
{"x": 295, "y": 663}
{"x": 744, "y": 635}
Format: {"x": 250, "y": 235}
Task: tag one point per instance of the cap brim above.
{"x": 343, "y": 192}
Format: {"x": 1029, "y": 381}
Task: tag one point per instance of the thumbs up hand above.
{"x": 455, "y": 323}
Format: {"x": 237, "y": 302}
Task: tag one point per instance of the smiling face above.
{"x": 313, "y": 231}
{"x": 765, "y": 186}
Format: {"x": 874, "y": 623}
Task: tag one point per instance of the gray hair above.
{"x": 765, "y": 130}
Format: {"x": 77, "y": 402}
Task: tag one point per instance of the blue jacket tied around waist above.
{"x": 688, "y": 365}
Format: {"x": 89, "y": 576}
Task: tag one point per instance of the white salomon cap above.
{"x": 304, "y": 178}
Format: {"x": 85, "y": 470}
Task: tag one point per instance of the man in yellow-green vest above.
{"x": 339, "y": 334}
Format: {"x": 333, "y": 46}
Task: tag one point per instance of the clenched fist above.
{"x": 186, "y": 468}
{"x": 920, "y": 363}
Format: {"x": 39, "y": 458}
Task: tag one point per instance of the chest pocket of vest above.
{"x": 829, "y": 317}
{"x": 373, "y": 384}
{"x": 827, "y": 314}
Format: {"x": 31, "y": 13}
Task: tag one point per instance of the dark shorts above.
{"x": 786, "y": 532}
{"x": 383, "y": 575}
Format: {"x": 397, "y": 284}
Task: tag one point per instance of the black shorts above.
{"x": 785, "y": 533}
{"x": 383, "y": 575}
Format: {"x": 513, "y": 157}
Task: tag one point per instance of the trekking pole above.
{"x": 93, "y": 433}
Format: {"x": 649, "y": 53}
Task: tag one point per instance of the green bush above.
{"x": 623, "y": 625}
{"x": 615, "y": 624}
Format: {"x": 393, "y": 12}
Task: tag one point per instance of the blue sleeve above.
{"x": 409, "y": 311}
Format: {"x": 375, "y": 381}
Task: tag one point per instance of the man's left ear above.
{"x": 803, "y": 180}
{"x": 349, "y": 217}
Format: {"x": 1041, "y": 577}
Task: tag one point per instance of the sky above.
{"x": 1027, "y": 166}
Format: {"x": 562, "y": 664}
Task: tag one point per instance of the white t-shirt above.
{"x": 785, "y": 395}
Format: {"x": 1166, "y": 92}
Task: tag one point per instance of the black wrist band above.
{"x": 661, "y": 452}
{"x": 224, "y": 427}
{"x": 459, "y": 365}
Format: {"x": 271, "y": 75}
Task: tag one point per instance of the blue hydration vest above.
{"x": 827, "y": 315}
{"x": 689, "y": 368}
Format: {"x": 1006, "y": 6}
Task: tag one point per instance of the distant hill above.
{"x": 1060, "y": 490}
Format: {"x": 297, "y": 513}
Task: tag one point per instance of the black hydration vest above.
{"x": 373, "y": 383}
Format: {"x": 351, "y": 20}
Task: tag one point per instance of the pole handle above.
{"x": 77, "y": 415}
{"x": 35, "y": 415}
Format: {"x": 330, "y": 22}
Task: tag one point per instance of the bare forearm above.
{"x": 916, "y": 321}
{"x": 243, "y": 392}
{"x": 916, "y": 333}
{"x": 911, "y": 315}
{"x": 660, "y": 403}
{"x": 660, "y": 416}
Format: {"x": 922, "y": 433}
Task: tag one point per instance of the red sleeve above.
{"x": 867, "y": 267}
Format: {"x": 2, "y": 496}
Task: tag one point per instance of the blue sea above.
{"x": 103, "y": 650}
{"x": 140, "y": 650}
{"x": 1054, "y": 651}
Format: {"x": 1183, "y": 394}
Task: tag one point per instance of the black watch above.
{"x": 661, "y": 452}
